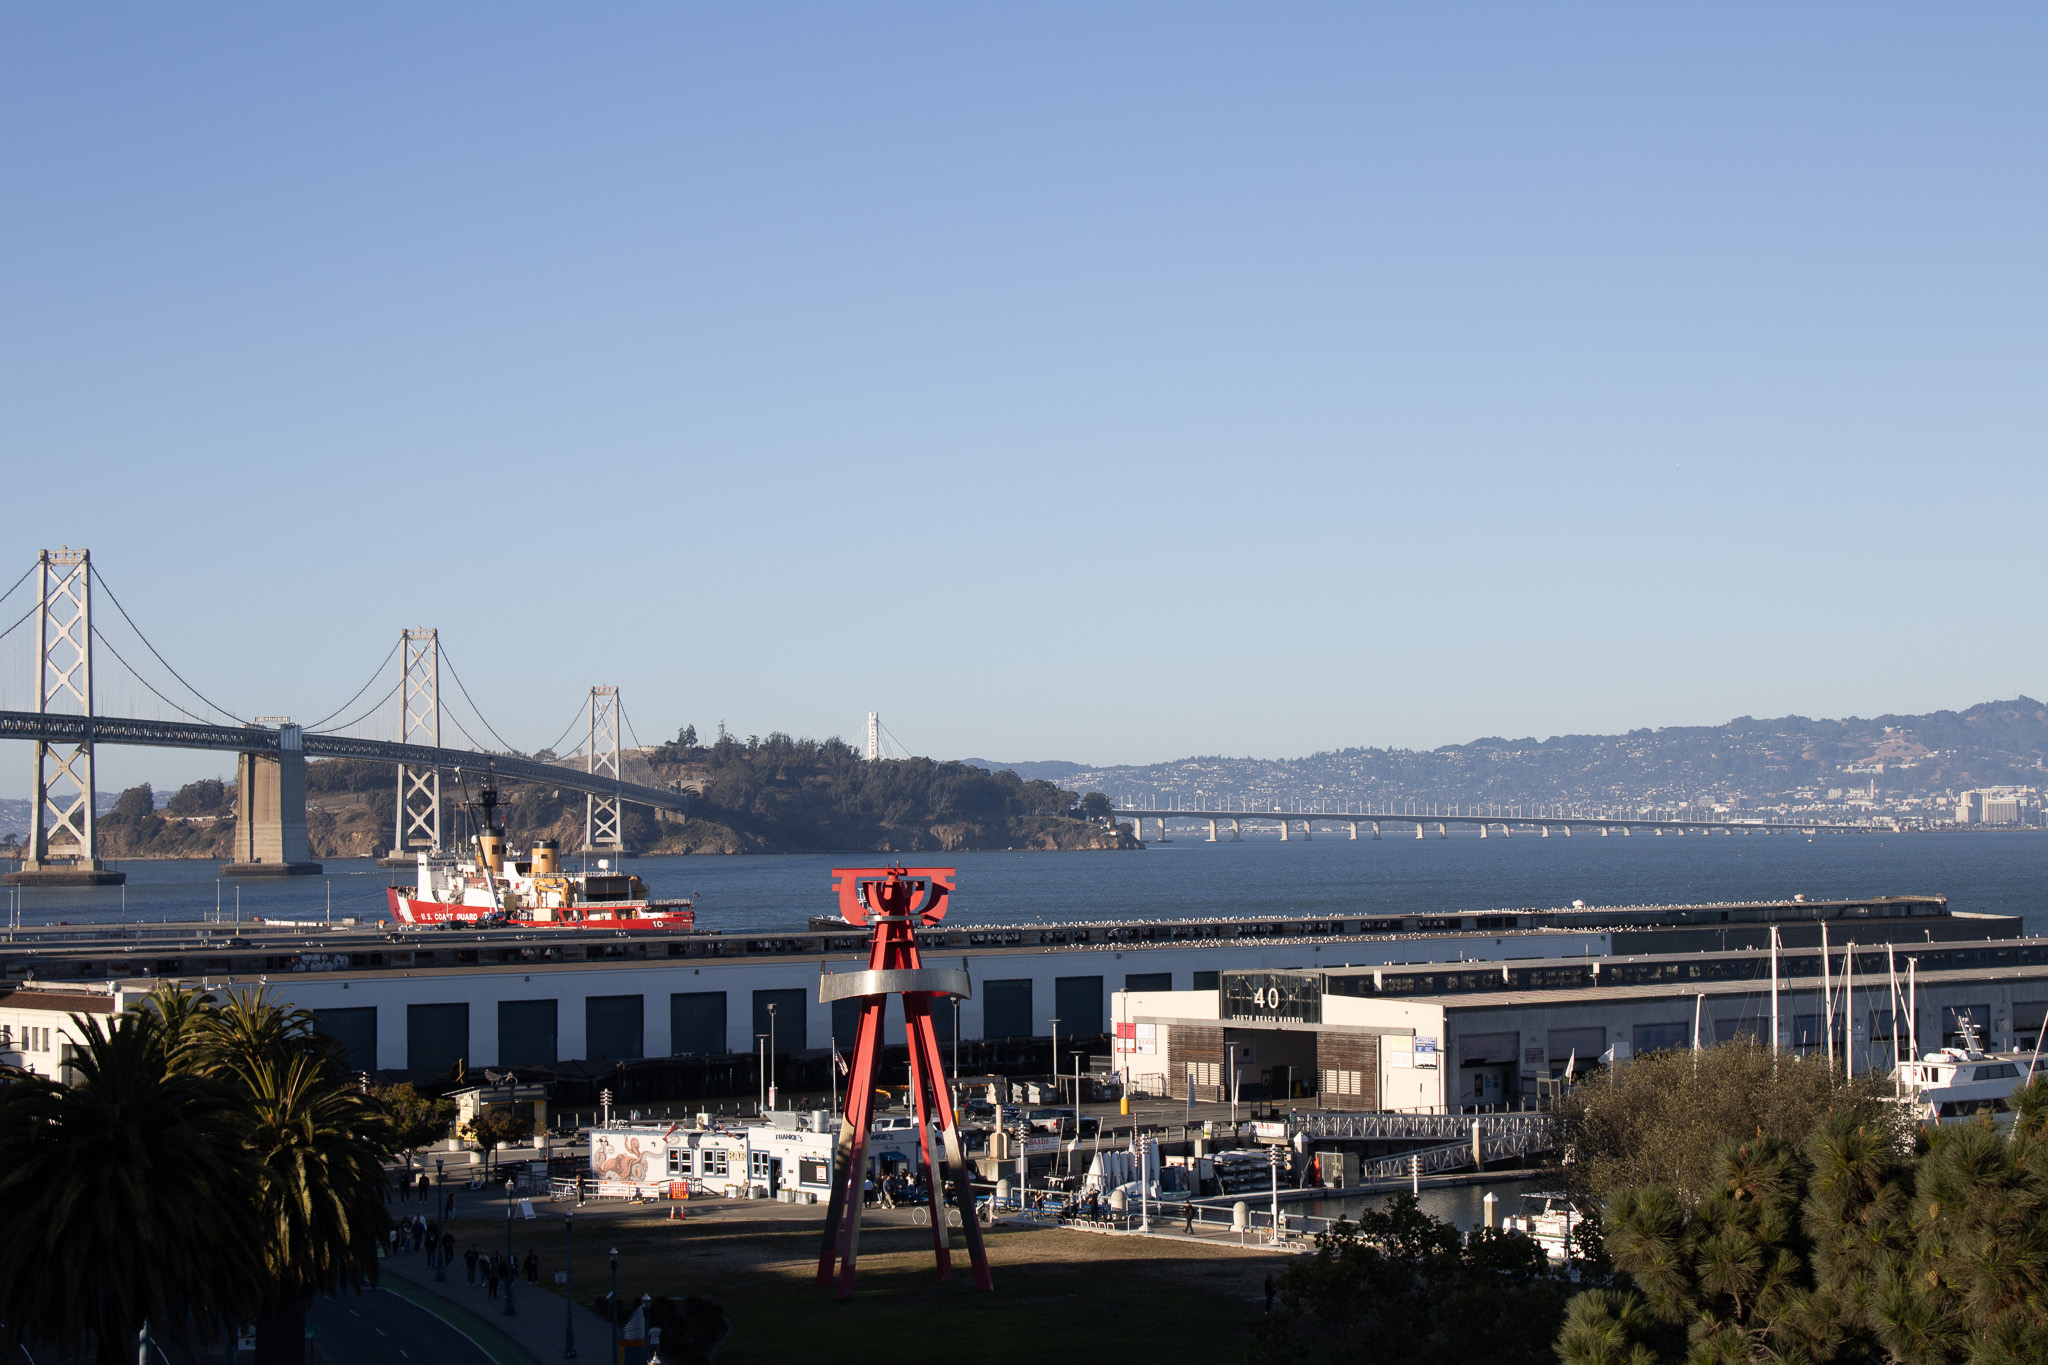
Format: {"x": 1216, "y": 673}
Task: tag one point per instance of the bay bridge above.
{"x": 1484, "y": 821}
{"x": 66, "y": 724}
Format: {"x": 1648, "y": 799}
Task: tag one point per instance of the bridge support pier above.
{"x": 1306, "y": 832}
{"x": 1567, "y": 831}
{"x": 270, "y": 812}
{"x": 1212, "y": 829}
{"x": 1354, "y": 831}
{"x": 1441, "y": 832}
{"x": 1546, "y": 831}
{"x": 1628, "y": 832}
{"x": 1418, "y": 829}
{"x": 1236, "y": 836}
{"x": 1162, "y": 831}
{"x": 1284, "y": 835}
{"x": 1482, "y": 829}
{"x": 1375, "y": 829}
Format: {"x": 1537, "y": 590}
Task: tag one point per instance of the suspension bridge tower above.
{"x": 418, "y": 827}
{"x": 61, "y": 849}
{"x": 604, "y": 827}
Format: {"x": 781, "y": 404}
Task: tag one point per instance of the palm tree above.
{"x": 123, "y": 1200}
{"x": 318, "y": 1141}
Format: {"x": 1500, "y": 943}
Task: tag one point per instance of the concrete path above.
{"x": 536, "y": 1331}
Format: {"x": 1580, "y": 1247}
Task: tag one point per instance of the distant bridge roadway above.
{"x": 1287, "y": 819}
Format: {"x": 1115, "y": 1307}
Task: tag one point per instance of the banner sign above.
{"x": 1272, "y": 997}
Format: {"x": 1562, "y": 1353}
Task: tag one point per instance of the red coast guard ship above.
{"x": 489, "y": 888}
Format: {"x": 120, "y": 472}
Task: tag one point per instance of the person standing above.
{"x": 469, "y": 1262}
{"x": 532, "y": 1267}
{"x": 1269, "y": 1294}
{"x": 491, "y": 1271}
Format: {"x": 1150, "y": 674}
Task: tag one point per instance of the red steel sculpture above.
{"x": 896, "y": 901}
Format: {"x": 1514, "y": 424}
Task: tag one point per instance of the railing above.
{"x": 1495, "y": 1130}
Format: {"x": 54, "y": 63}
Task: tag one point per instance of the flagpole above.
{"x": 833, "y": 1071}
{"x": 1827, "y": 998}
{"x": 1774, "y": 993}
{"x": 1891, "y": 971}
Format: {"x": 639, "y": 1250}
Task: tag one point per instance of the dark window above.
{"x": 1149, "y": 981}
{"x": 1662, "y": 1038}
{"x": 355, "y": 1030}
{"x": 789, "y": 1017}
{"x": 1584, "y": 1043}
{"x": 943, "y": 1018}
{"x": 1077, "y": 1000}
{"x": 845, "y": 1022}
{"x": 526, "y": 1032}
{"x": 1745, "y": 1026}
{"x": 696, "y": 1023}
{"x": 1207, "y": 981}
{"x": 436, "y": 1036}
{"x": 1006, "y": 1009}
{"x": 813, "y": 1172}
{"x": 614, "y": 1028}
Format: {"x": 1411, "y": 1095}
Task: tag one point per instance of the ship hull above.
{"x": 629, "y": 915}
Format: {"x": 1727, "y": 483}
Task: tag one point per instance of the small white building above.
{"x": 791, "y": 1158}
{"x": 36, "y": 1032}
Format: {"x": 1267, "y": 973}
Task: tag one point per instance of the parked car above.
{"x": 978, "y": 1109}
{"x": 1048, "y": 1120}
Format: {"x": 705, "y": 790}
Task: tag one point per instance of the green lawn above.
{"x": 1078, "y": 1295}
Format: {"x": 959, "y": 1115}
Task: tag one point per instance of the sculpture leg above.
{"x": 916, "y": 1009}
{"x": 923, "y": 1038}
{"x": 842, "y": 1214}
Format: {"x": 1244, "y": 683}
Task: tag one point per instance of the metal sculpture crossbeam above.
{"x": 896, "y": 902}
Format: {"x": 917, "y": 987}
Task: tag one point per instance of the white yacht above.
{"x": 1957, "y": 1084}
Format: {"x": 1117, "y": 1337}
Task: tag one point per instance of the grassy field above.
{"x": 1076, "y": 1295}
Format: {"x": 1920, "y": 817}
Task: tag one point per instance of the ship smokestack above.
{"x": 546, "y": 863}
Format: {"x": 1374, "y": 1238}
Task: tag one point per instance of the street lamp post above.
{"x": 440, "y": 1258}
{"x": 615, "y": 1305}
{"x": 511, "y": 1264}
{"x": 771, "y": 1056}
{"x": 761, "y": 1072}
{"x": 569, "y": 1298}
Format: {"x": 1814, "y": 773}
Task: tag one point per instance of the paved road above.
{"x": 380, "y": 1326}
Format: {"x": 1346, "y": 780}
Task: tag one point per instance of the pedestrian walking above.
{"x": 425, "y": 1188}
{"x": 1188, "y": 1210}
{"x": 447, "y": 1248}
{"x": 1269, "y": 1294}
{"x": 532, "y": 1267}
{"x": 491, "y": 1270}
{"x": 469, "y": 1262}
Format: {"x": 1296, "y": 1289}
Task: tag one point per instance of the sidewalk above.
{"x": 532, "y": 1336}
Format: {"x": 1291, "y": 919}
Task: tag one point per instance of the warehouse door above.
{"x": 527, "y": 1032}
{"x": 436, "y": 1037}
{"x": 790, "y": 1022}
{"x": 696, "y": 1023}
{"x": 1077, "y": 1003}
{"x": 355, "y": 1030}
{"x": 614, "y": 1028}
{"x": 1006, "y": 1009}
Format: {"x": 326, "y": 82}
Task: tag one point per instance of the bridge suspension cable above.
{"x": 367, "y": 685}
{"x": 475, "y": 710}
{"x": 101, "y": 579}
{"x": 146, "y": 682}
{"x": 375, "y": 707}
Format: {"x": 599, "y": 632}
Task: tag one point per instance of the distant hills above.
{"x": 1793, "y": 762}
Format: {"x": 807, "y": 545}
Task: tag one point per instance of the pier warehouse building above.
{"x": 1486, "y": 1035}
{"x": 416, "y": 1001}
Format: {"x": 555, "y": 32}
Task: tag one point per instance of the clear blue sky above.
{"x": 1102, "y": 382}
